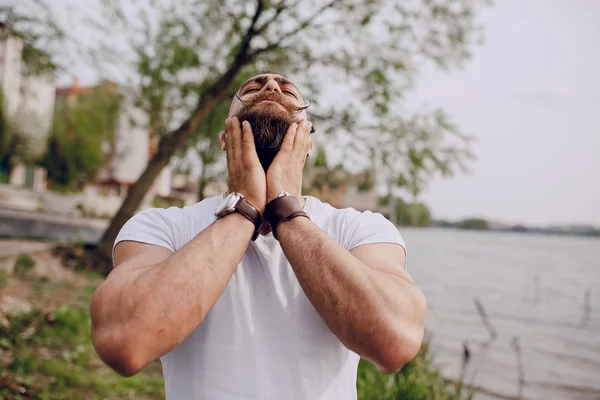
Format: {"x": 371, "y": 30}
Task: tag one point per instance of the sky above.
{"x": 530, "y": 96}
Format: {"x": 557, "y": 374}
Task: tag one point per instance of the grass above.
{"x": 420, "y": 379}
{"x": 47, "y": 354}
{"x": 24, "y": 264}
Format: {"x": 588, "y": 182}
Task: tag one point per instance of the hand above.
{"x": 246, "y": 174}
{"x": 285, "y": 172}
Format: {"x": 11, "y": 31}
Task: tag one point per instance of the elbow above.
{"x": 397, "y": 355}
{"x": 404, "y": 341}
{"x": 117, "y": 354}
{"x": 118, "y": 349}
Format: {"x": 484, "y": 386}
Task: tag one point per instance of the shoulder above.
{"x": 352, "y": 228}
{"x": 169, "y": 227}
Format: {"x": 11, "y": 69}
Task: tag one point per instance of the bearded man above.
{"x": 262, "y": 293}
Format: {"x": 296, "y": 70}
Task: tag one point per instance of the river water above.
{"x": 541, "y": 295}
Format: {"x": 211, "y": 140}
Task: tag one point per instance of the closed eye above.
{"x": 250, "y": 90}
{"x": 290, "y": 93}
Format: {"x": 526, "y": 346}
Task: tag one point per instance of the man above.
{"x": 262, "y": 294}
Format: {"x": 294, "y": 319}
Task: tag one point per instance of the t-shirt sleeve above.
{"x": 368, "y": 228}
{"x": 151, "y": 226}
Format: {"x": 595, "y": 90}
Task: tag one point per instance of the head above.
{"x": 270, "y": 103}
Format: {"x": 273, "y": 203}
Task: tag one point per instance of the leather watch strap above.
{"x": 281, "y": 209}
{"x": 244, "y": 207}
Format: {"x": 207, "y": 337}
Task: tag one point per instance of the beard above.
{"x": 269, "y": 123}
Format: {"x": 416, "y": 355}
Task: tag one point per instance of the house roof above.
{"x": 76, "y": 88}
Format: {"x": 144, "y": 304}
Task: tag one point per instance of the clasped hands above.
{"x": 246, "y": 174}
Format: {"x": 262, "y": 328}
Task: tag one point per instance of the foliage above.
{"x": 84, "y": 126}
{"x": 321, "y": 158}
{"x": 13, "y": 144}
{"x": 473, "y": 223}
{"x": 418, "y": 380}
{"x": 409, "y": 214}
{"x": 162, "y": 202}
{"x": 23, "y": 265}
{"x": 412, "y": 214}
{"x": 204, "y": 146}
{"x": 319, "y": 179}
{"x": 49, "y": 354}
{"x": 32, "y": 22}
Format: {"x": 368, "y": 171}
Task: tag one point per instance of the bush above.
{"x": 417, "y": 380}
{"x": 23, "y": 265}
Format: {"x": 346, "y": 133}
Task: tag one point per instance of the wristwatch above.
{"x": 237, "y": 202}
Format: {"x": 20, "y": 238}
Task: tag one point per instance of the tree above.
{"x": 82, "y": 140}
{"x": 40, "y": 37}
{"x": 187, "y": 55}
{"x": 479, "y": 224}
{"x": 408, "y": 214}
{"x": 13, "y": 145}
{"x": 33, "y": 23}
{"x": 205, "y": 143}
{"x": 321, "y": 158}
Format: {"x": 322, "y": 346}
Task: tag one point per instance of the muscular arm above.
{"x": 365, "y": 296}
{"x": 154, "y": 298}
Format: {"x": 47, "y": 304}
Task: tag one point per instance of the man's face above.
{"x": 270, "y": 103}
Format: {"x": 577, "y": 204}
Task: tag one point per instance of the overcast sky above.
{"x": 531, "y": 98}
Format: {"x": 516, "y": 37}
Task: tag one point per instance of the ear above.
{"x": 310, "y": 146}
{"x": 223, "y": 140}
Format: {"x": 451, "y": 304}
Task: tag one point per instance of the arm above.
{"x": 364, "y": 295}
{"x": 155, "y": 298}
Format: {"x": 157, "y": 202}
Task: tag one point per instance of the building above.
{"x": 133, "y": 145}
{"x": 28, "y": 99}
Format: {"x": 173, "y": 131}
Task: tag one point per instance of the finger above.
{"x": 288, "y": 139}
{"x": 247, "y": 136}
{"x": 248, "y": 146}
{"x": 235, "y": 136}
{"x": 302, "y": 138}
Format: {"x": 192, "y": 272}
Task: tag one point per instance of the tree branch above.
{"x": 260, "y": 6}
{"x": 305, "y": 24}
{"x": 208, "y": 99}
{"x": 278, "y": 10}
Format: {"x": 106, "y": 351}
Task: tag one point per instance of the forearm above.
{"x": 157, "y": 309}
{"x": 375, "y": 313}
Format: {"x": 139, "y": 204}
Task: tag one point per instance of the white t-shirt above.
{"x": 263, "y": 339}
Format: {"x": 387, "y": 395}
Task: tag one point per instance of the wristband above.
{"x": 283, "y": 208}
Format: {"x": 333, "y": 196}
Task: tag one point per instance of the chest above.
{"x": 264, "y": 299}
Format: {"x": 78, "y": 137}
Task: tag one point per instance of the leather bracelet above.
{"x": 245, "y": 208}
{"x": 281, "y": 209}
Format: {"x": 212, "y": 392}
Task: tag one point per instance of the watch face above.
{"x": 227, "y": 206}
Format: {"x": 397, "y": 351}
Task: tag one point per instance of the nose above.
{"x": 272, "y": 87}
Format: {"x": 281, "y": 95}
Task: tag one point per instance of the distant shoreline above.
{"x": 591, "y": 232}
